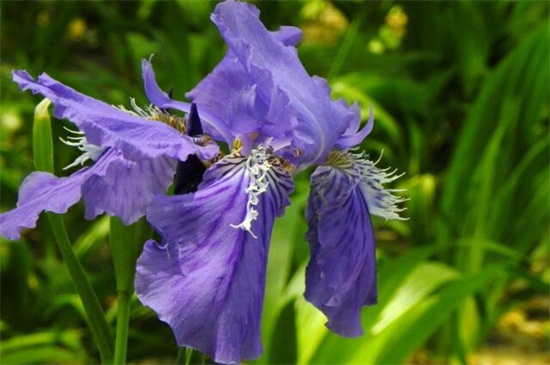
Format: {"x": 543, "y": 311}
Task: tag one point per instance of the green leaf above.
{"x": 320, "y": 346}
{"x": 42, "y": 137}
{"x": 404, "y": 336}
{"x": 43, "y": 347}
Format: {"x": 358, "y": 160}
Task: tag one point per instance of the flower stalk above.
{"x": 126, "y": 245}
{"x": 188, "y": 356}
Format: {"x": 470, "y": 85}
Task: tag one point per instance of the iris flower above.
{"x": 206, "y": 278}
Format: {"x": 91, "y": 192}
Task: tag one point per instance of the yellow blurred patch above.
{"x": 323, "y": 22}
{"x": 76, "y": 29}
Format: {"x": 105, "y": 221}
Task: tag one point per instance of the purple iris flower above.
{"x": 133, "y": 155}
{"x": 206, "y": 278}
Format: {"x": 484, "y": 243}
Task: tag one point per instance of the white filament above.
{"x": 90, "y": 151}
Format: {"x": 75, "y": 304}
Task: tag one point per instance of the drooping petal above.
{"x": 208, "y": 281}
{"x": 341, "y": 274}
{"x": 41, "y": 191}
{"x": 107, "y": 126}
{"x": 271, "y": 65}
{"x": 127, "y": 187}
{"x": 112, "y": 184}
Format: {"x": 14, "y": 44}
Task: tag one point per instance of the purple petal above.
{"x": 212, "y": 123}
{"x": 353, "y": 136}
{"x": 288, "y": 35}
{"x": 271, "y": 65}
{"x": 112, "y": 184}
{"x": 41, "y": 191}
{"x": 107, "y": 126}
{"x": 127, "y": 187}
{"x": 208, "y": 282}
{"x": 341, "y": 275}
{"x": 228, "y": 93}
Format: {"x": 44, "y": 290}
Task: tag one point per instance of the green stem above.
{"x": 126, "y": 245}
{"x": 92, "y": 307}
{"x": 181, "y": 359}
{"x": 188, "y": 356}
{"x": 122, "y": 325}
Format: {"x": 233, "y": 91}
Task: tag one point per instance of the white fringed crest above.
{"x": 380, "y": 201}
{"x": 257, "y": 167}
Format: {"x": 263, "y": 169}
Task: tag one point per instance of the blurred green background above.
{"x": 460, "y": 92}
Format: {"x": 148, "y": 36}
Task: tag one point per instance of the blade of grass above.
{"x": 423, "y": 320}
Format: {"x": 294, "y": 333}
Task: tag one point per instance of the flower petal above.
{"x": 232, "y": 96}
{"x": 127, "y": 187}
{"x": 107, "y": 126}
{"x": 341, "y": 275}
{"x": 271, "y": 65}
{"x": 208, "y": 281}
{"x": 42, "y": 191}
{"x": 212, "y": 123}
{"x": 288, "y": 35}
{"x": 353, "y": 136}
{"x": 112, "y": 184}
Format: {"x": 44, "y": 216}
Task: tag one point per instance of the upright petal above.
{"x": 233, "y": 97}
{"x": 208, "y": 281}
{"x": 341, "y": 275}
{"x": 272, "y": 65}
{"x": 353, "y": 136}
{"x": 107, "y": 126}
{"x": 213, "y": 125}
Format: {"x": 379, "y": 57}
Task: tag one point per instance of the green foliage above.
{"x": 460, "y": 96}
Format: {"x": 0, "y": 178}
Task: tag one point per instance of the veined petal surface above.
{"x": 107, "y": 126}
{"x": 127, "y": 187}
{"x": 341, "y": 274}
{"x": 207, "y": 281}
